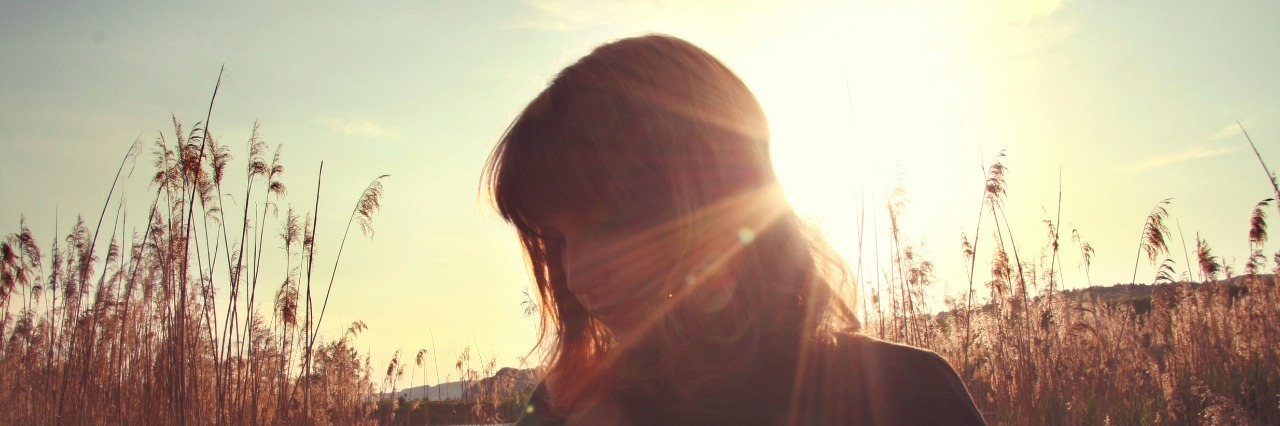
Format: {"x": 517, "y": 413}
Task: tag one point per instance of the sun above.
{"x": 860, "y": 105}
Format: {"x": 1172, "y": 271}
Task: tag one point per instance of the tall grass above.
{"x": 164, "y": 325}
{"x": 489, "y": 395}
{"x": 1187, "y": 353}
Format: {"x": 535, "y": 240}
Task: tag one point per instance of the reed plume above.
{"x": 1086, "y": 253}
{"x": 1154, "y": 238}
{"x": 1257, "y": 237}
{"x": 1209, "y": 264}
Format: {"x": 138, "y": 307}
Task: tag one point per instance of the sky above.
{"x": 1119, "y": 103}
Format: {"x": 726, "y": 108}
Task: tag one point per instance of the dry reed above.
{"x": 138, "y": 332}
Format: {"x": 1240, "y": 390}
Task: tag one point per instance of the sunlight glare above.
{"x": 897, "y": 104}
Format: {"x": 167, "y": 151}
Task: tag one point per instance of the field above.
{"x": 1030, "y": 354}
{"x": 138, "y": 336}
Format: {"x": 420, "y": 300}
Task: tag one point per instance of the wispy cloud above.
{"x": 1017, "y": 28}
{"x": 1227, "y": 131}
{"x": 360, "y": 128}
{"x": 1025, "y": 11}
{"x": 996, "y": 13}
{"x": 569, "y": 15}
{"x": 1188, "y": 155}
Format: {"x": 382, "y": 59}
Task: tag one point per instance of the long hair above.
{"x": 657, "y": 127}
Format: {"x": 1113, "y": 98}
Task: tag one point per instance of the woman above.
{"x": 677, "y": 284}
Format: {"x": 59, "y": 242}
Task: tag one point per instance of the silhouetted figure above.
{"x": 677, "y": 284}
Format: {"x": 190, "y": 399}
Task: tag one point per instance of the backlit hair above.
{"x": 655, "y": 127}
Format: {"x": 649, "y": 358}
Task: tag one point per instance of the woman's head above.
{"x": 651, "y": 123}
{"x": 641, "y": 186}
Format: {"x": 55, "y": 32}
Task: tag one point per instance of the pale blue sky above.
{"x": 1135, "y": 101}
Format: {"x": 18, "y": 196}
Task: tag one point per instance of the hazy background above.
{"x": 1131, "y": 101}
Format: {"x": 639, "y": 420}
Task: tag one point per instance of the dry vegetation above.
{"x": 142, "y": 335}
{"x": 1207, "y": 353}
{"x": 489, "y": 395}
{"x": 167, "y": 326}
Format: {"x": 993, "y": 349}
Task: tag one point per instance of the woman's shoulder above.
{"x": 867, "y": 349}
{"x": 537, "y": 411}
{"x": 853, "y": 377}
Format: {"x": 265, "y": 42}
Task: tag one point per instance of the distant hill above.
{"x": 1120, "y": 292}
{"x": 1140, "y": 297}
{"x": 505, "y": 382}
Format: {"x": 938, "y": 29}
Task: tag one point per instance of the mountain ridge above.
{"x": 505, "y": 382}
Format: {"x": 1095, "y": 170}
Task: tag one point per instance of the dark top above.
{"x": 854, "y": 380}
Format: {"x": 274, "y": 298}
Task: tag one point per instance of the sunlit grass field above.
{"x": 145, "y": 335}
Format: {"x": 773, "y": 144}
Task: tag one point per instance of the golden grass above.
{"x": 1202, "y": 353}
{"x": 142, "y": 336}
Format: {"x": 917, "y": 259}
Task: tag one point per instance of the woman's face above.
{"x": 621, "y": 269}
